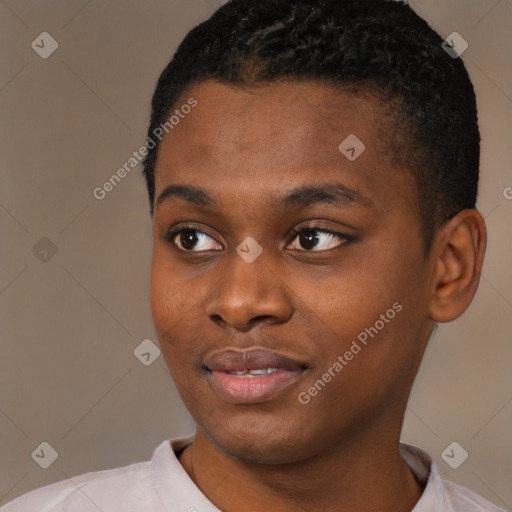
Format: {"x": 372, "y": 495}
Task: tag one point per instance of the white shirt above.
{"x": 162, "y": 485}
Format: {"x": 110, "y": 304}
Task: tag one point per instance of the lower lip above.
{"x": 250, "y": 390}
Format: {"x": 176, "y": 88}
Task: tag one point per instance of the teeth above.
{"x": 262, "y": 371}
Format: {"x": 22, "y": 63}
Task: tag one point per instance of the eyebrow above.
{"x": 325, "y": 193}
{"x": 190, "y": 193}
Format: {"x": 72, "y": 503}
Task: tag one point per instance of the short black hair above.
{"x": 377, "y": 46}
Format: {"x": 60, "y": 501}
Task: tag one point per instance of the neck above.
{"x": 351, "y": 476}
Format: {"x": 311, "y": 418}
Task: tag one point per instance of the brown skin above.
{"x": 246, "y": 148}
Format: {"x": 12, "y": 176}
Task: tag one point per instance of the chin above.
{"x": 252, "y": 452}
{"x": 263, "y": 444}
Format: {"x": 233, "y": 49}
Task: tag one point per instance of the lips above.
{"x": 251, "y": 376}
{"x": 254, "y": 359}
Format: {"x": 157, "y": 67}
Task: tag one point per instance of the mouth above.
{"x": 251, "y": 376}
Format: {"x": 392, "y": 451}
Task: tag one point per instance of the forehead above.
{"x": 273, "y": 137}
{"x": 282, "y": 121}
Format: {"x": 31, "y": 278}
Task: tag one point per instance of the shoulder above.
{"x": 128, "y": 488}
{"x": 465, "y": 500}
{"x": 91, "y": 491}
{"x": 441, "y": 495}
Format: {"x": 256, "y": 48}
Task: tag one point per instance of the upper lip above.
{"x": 252, "y": 359}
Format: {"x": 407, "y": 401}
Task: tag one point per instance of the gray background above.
{"x": 69, "y": 325}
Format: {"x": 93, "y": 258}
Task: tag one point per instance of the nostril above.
{"x": 261, "y": 317}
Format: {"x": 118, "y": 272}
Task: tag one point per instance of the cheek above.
{"x": 378, "y": 322}
{"x": 369, "y": 301}
{"x": 167, "y": 293}
{"x": 161, "y": 299}
{"x": 350, "y": 298}
{"x": 174, "y": 307}
{"x": 167, "y": 307}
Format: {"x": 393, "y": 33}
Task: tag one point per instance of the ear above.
{"x": 459, "y": 250}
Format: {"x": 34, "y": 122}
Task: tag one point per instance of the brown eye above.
{"x": 315, "y": 239}
{"x": 191, "y": 240}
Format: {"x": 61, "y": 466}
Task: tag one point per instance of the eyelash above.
{"x": 171, "y": 235}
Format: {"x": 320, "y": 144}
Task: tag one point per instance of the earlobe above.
{"x": 459, "y": 249}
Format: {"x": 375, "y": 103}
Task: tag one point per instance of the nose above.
{"x": 249, "y": 294}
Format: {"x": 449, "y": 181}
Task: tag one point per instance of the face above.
{"x": 289, "y": 283}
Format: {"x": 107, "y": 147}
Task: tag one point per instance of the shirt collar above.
{"x": 177, "y": 491}
{"x": 426, "y": 472}
{"x": 173, "y": 486}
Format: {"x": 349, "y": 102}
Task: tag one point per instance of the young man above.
{"x": 312, "y": 184}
